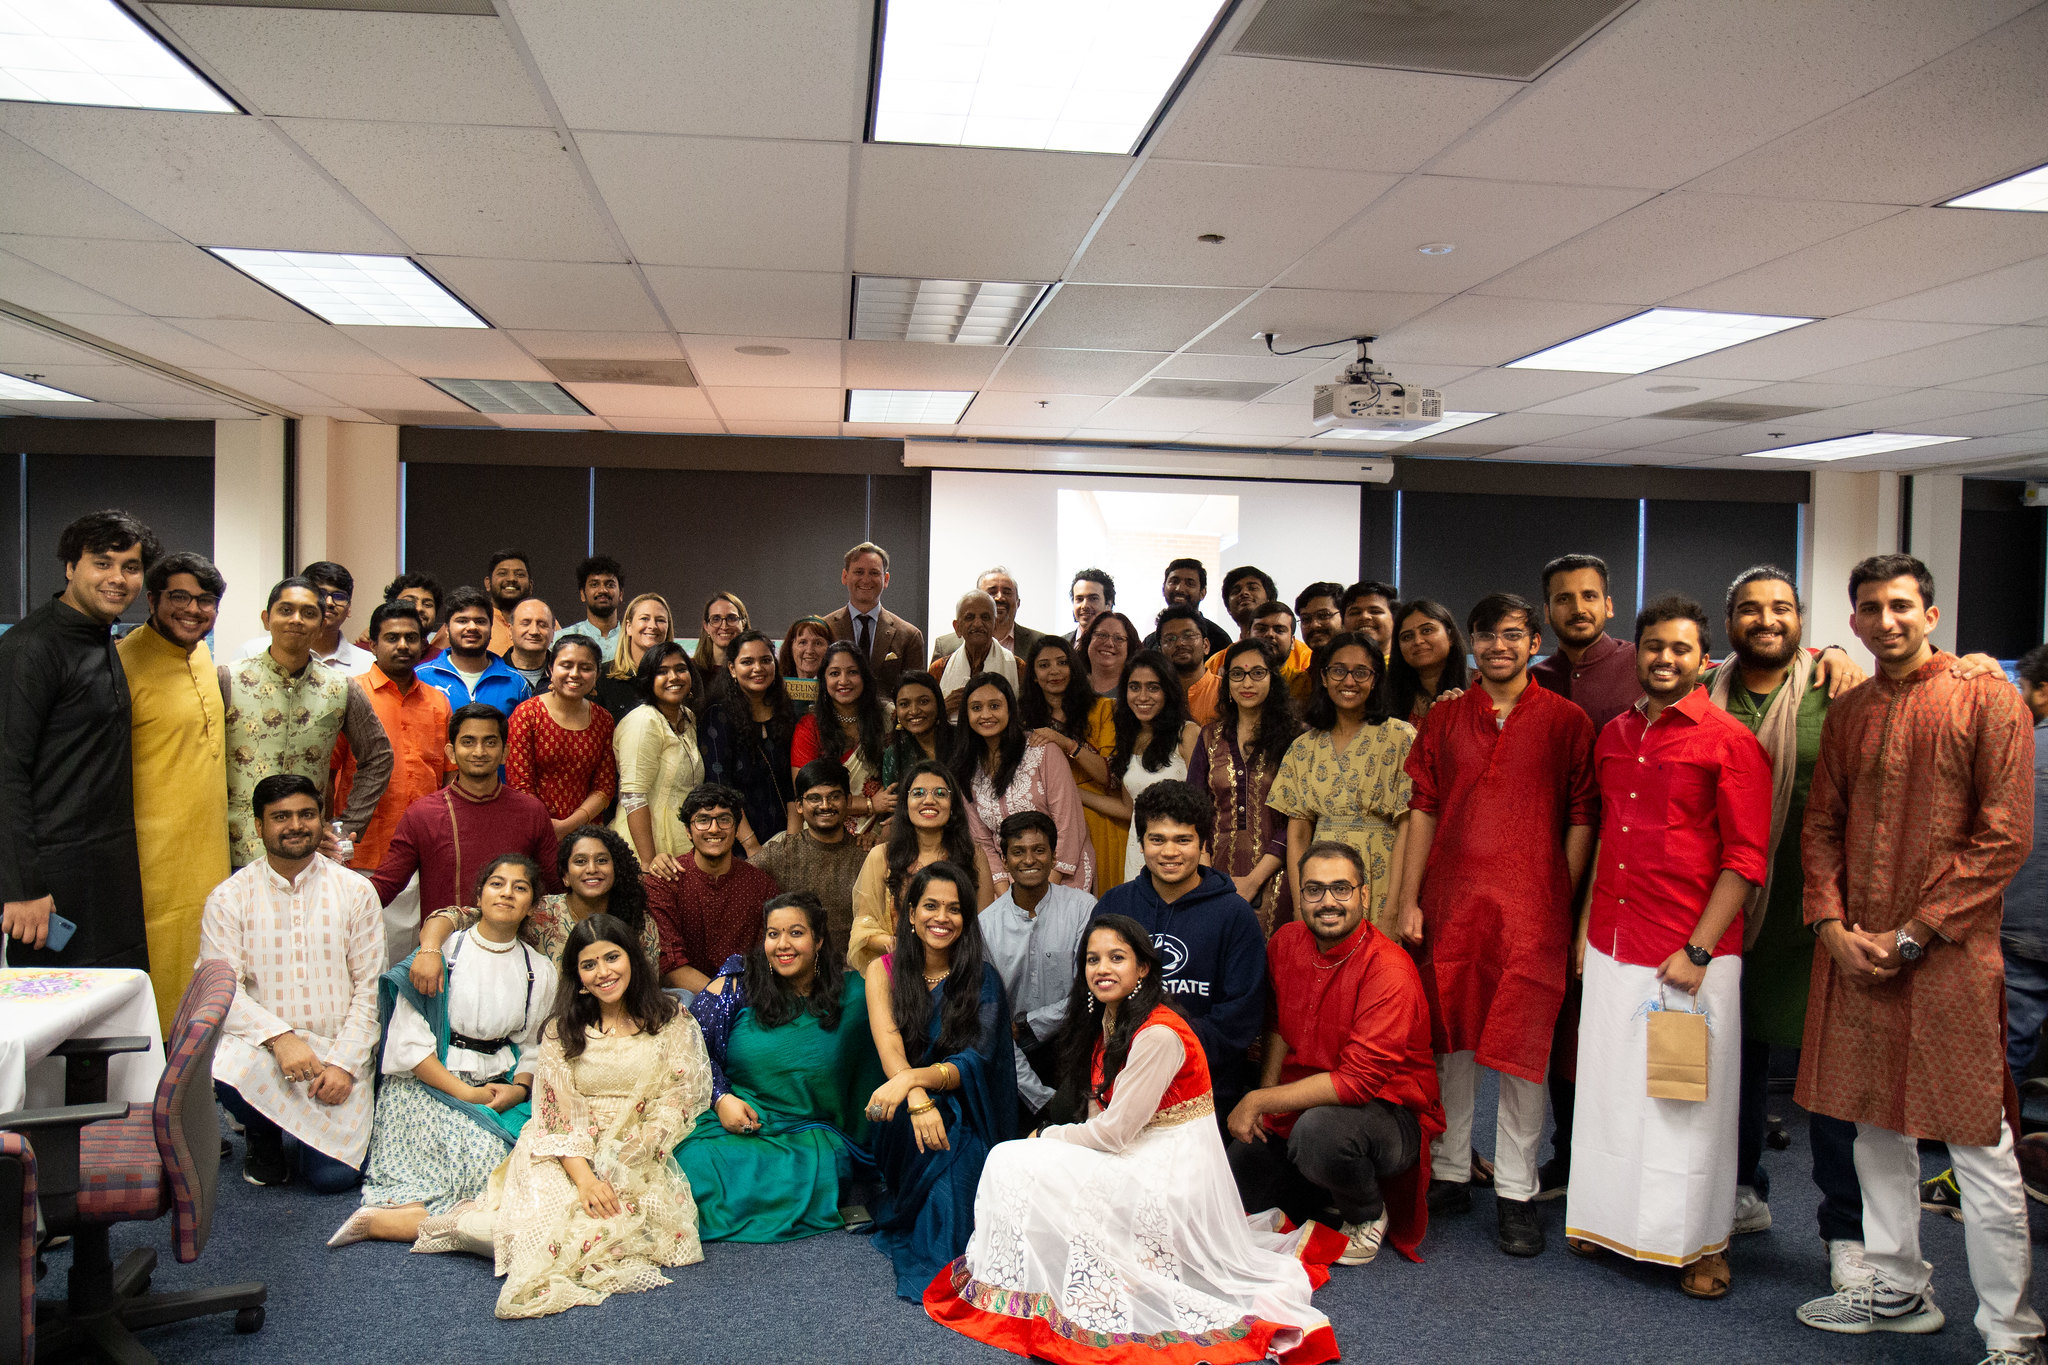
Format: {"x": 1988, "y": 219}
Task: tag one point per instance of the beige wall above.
{"x": 1936, "y": 535}
{"x": 1852, "y": 516}
{"x": 348, "y": 505}
{"x": 248, "y": 521}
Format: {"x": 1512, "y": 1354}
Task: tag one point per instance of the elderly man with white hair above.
{"x": 1001, "y": 586}
{"x": 974, "y": 621}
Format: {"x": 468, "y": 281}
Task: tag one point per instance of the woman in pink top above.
{"x": 1010, "y": 774}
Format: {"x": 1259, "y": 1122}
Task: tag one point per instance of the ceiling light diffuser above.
{"x": 1451, "y": 422}
{"x": 1652, "y": 340}
{"x": 2023, "y": 193}
{"x": 17, "y": 390}
{"x": 926, "y": 407}
{"x": 95, "y": 52}
{"x": 354, "y": 291}
{"x": 1059, "y": 75}
{"x": 525, "y": 397}
{"x": 1846, "y": 447}
{"x": 953, "y": 312}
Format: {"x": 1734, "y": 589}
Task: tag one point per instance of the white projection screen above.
{"x": 1045, "y": 527}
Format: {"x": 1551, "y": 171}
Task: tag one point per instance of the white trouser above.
{"x": 1518, "y": 1128}
{"x": 1994, "y": 1226}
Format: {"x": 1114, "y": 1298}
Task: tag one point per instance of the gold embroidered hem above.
{"x": 1654, "y": 1257}
{"x": 1187, "y": 1111}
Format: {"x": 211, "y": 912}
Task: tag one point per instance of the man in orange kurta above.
{"x": 1921, "y": 811}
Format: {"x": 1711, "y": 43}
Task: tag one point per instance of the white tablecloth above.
{"x": 41, "y": 1007}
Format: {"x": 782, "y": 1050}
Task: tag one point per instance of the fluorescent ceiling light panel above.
{"x": 953, "y": 312}
{"x": 1451, "y": 422}
{"x": 95, "y": 52}
{"x": 1059, "y": 75}
{"x": 2024, "y": 193}
{"x": 1652, "y": 340}
{"x": 526, "y": 397}
{"x": 940, "y": 408}
{"x": 1847, "y": 447}
{"x": 354, "y": 291}
{"x": 27, "y": 391}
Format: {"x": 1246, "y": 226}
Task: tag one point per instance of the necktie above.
{"x": 867, "y": 640}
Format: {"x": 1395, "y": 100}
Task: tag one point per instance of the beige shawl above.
{"x": 1779, "y": 734}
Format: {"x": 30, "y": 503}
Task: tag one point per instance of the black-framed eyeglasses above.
{"x": 723, "y": 820}
{"x": 178, "y": 597}
{"x": 1512, "y": 636}
{"x": 1311, "y": 892}
{"x": 1361, "y": 673}
{"x": 1238, "y": 675}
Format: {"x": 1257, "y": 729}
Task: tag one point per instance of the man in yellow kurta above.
{"x": 181, "y": 772}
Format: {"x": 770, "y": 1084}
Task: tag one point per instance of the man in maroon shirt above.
{"x": 1685, "y": 798}
{"x": 711, "y": 908}
{"x": 1347, "y": 1103}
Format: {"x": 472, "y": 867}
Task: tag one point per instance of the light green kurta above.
{"x": 277, "y": 723}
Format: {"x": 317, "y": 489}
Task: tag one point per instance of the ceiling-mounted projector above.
{"x": 1370, "y": 399}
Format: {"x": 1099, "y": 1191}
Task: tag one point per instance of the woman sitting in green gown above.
{"x": 792, "y": 1064}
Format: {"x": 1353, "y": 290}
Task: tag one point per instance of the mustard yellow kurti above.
{"x": 180, "y": 762}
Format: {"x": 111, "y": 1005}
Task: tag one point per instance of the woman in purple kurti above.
{"x": 1235, "y": 760}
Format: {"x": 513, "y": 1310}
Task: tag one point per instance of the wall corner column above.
{"x": 1853, "y": 516}
{"x": 248, "y": 517}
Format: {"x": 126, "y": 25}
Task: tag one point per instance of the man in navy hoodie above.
{"x": 1210, "y": 946}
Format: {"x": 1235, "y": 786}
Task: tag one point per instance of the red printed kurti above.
{"x": 1922, "y": 808}
{"x": 1496, "y": 894}
{"x": 562, "y": 767}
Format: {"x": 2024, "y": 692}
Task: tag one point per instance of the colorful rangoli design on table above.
{"x": 42, "y": 983}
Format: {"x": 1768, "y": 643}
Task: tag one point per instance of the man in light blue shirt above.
{"x": 601, "y": 583}
{"x": 1032, "y": 936}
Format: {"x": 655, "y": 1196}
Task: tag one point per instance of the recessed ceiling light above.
{"x": 28, "y": 391}
{"x": 1674, "y": 388}
{"x": 1652, "y": 340}
{"x": 958, "y": 312}
{"x": 525, "y": 397}
{"x": 762, "y": 350}
{"x": 1437, "y": 248}
{"x": 1063, "y": 77}
{"x": 916, "y": 407}
{"x": 95, "y": 52}
{"x": 2023, "y": 193}
{"x": 1846, "y": 447}
{"x": 1451, "y": 422}
{"x": 354, "y": 291}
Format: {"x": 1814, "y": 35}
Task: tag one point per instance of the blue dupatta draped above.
{"x": 396, "y": 984}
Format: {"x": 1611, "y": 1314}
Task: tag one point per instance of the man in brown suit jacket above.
{"x": 893, "y": 646}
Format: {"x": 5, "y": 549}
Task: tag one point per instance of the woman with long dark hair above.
{"x": 941, "y": 1026}
{"x": 1346, "y": 779}
{"x": 1235, "y": 760}
{"x": 1121, "y": 1238}
{"x": 745, "y": 738}
{"x": 1005, "y": 773}
{"x": 930, "y": 826}
{"x": 1428, "y": 660}
{"x": 1062, "y": 710}
{"x": 792, "y": 1064}
{"x": 589, "y": 1203}
{"x": 1154, "y": 739}
{"x": 659, "y": 763}
{"x": 850, "y": 722}
{"x": 558, "y": 745}
{"x": 922, "y": 732}
{"x": 600, "y": 876}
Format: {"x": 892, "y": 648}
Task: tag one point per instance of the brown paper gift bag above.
{"x": 1678, "y": 1055}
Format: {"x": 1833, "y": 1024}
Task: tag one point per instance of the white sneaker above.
{"x": 1846, "y": 1265}
{"x": 1752, "y": 1214}
{"x": 1872, "y": 1306}
{"x": 1363, "y": 1241}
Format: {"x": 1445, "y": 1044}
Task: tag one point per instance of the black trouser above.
{"x": 1337, "y": 1154}
{"x": 1834, "y": 1150}
{"x": 1045, "y": 1063}
{"x": 1564, "y": 1088}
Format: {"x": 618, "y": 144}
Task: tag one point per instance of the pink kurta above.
{"x": 1042, "y": 786}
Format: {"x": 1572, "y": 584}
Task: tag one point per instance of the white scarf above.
{"x": 1000, "y": 661}
{"x": 1779, "y": 734}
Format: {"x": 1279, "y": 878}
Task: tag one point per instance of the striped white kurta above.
{"x": 306, "y": 957}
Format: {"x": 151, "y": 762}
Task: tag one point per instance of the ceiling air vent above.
{"x": 1512, "y": 39}
{"x": 666, "y": 374}
{"x": 1215, "y": 390}
{"x": 1731, "y": 412}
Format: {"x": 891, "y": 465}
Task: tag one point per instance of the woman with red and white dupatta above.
{"x": 1121, "y": 1238}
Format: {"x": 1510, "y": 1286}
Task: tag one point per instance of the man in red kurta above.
{"x": 1500, "y": 827}
{"x": 1347, "y": 1103}
{"x": 1920, "y": 813}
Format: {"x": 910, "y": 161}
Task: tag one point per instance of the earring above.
{"x": 583, "y": 990}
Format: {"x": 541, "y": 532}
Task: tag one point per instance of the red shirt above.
{"x": 1682, "y": 800}
{"x": 1603, "y": 682}
{"x": 704, "y": 919}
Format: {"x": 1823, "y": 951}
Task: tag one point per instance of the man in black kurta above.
{"x": 67, "y": 811}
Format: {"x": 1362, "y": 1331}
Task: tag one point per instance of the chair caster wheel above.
{"x": 248, "y": 1320}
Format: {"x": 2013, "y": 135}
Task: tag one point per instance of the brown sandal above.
{"x": 1707, "y": 1278}
{"x": 1580, "y": 1246}
{"x": 1482, "y": 1170}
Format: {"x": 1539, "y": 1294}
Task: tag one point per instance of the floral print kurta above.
{"x": 1353, "y": 797}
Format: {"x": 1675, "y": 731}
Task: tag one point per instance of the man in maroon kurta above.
{"x": 711, "y": 908}
{"x": 1500, "y": 827}
{"x": 1921, "y": 811}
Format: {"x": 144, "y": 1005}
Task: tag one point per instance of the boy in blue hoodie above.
{"x": 1210, "y": 945}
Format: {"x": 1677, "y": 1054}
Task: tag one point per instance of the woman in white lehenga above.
{"x": 590, "y": 1203}
{"x": 1121, "y": 1238}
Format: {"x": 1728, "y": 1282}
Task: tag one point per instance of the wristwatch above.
{"x": 1698, "y": 957}
{"x": 1910, "y": 948}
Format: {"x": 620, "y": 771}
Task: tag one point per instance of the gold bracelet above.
{"x": 949, "y": 1076}
{"x": 925, "y": 1108}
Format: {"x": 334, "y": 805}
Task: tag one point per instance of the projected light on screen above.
{"x": 1133, "y": 534}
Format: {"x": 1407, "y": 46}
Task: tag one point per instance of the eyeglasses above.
{"x": 329, "y": 597}
{"x": 702, "y": 821}
{"x": 1361, "y": 673}
{"x": 206, "y": 601}
{"x": 1238, "y": 675}
{"x": 1324, "y": 615}
{"x": 930, "y": 794}
{"x": 722, "y": 620}
{"x": 823, "y": 799}
{"x": 1311, "y": 892}
{"x": 1483, "y": 638}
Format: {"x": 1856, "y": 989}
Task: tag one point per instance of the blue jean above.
{"x": 2026, "y": 1009}
{"x": 315, "y": 1169}
{"x": 1834, "y": 1150}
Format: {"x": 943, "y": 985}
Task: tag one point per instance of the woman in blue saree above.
{"x": 457, "y": 1065}
{"x": 792, "y": 1062}
{"x": 941, "y": 1026}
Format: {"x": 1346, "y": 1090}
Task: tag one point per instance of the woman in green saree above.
{"x": 792, "y": 1064}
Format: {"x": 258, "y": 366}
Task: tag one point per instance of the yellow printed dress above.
{"x": 1353, "y": 797}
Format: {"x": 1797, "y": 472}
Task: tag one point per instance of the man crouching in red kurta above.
{"x": 1347, "y": 1104}
{"x": 1921, "y": 811}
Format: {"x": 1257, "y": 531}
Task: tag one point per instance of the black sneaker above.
{"x": 1941, "y": 1195}
{"x": 1553, "y": 1178}
{"x": 265, "y": 1168}
{"x": 1519, "y": 1232}
{"x": 1449, "y": 1196}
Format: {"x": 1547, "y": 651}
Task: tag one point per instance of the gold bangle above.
{"x": 925, "y": 1108}
{"x": 949, "y": 1076}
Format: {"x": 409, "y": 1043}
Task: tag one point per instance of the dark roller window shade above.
{"x": 457, "y": 516}
{"x": 11, "y": 467}
{"x": 1997, "y": 601}
{"x": 172, "y": 493}
{"x": 1697, "y": 549}
{"x": 1458, "y": 547}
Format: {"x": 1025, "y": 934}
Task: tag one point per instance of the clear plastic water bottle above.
{"x": 347, "y": 850}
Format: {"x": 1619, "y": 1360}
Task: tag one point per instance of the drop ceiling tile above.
{"x": 562, "y": 295}
{"x": 1033, "y": 410}
{"x": 2007, "y": 421}
{"x": 370, "y": 391}
{"x": 1278, "y": 113}
{"x": 46, "y": 291}
{"x": 1128, "y": 318}
{"x": 1001, "y": 432}
{"x": 1499, "y": 390}
{"x": 1528, "y": 428}
{"x": 449, "y": 352}
{"x": 779, "y": 428}
{"x": 1652, "y": 459}
{"x": 1470, "y": 330}
{"x": 718, "y": 362}
{"x": 2030, "y": 379}
{"x": 1623, "y": 435}
{"x": 1150, "y": 237}
{"x": 553, "y": 345}
{"x": 43, "y": 197}
{"x": 166, "y": 279}
{"x": 746, "y": 204}
{"x": 1264, "y": 419}
{"x": 331, "y": 63}
{"x": 1633, "y": 396}
{"x": 511, "y": 193}
{"x": 798, "y": 405}
{"x": 1119, "y": 436}
{"x": 157, "y": 340}
{"x": 1301, "y": 316}
{"x": 1493, "y": 225}
{"x": 274, "y": 388}
{"x": 77, "y": 411}
{"x": 1913, "y": 410}
{"x": 21, "y": 344}
{"x": 115, "y": 384}
{"x": 975, "y": 213}
{"x": 2015, "y": 294}
{"x": 918, "y": 365}
{"x": 643, "y": 400}
{"x": 1972, "y": 357}
{"x": 1803, "y": 395}
{"x": 1744, "y": 437}
{"x": 768, "y": 303}
{"x": 1032, "y": 369}
{"x": 1270, "y": 369}
{"x": 1160, "y": 414}
{"x": 739, "y": 68}
{"x": 309, "y": 345}
{"x": 1827, "y": 345}
{"x": 668, "y": 425}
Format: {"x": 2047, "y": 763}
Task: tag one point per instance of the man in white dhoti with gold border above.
{"x": 1685, "y": 794}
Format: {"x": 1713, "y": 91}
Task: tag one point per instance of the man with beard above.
{"x": 601, "y": 584}
{"x": 1319, "y": 615}
{"x": 509, "y": 581}
{"x": 1368, "y": 609}
{"x": 468, "y": 671}
{"x": 421, "y": 592}
{"x": 1186, "y": 585}
{"x": 1180, "y": 639}
{"x": 1685, "y": 818}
